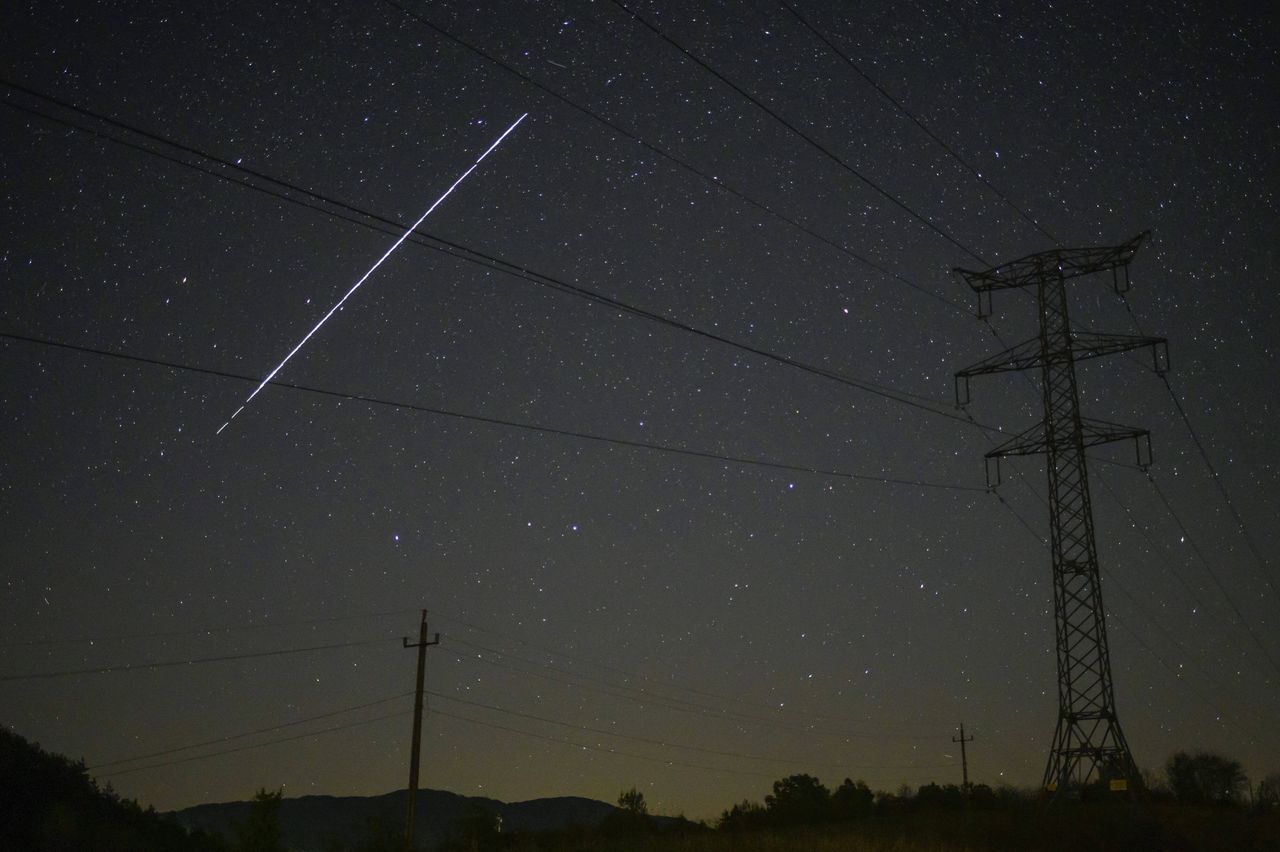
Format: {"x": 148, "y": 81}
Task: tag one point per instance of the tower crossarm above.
{"x": 1071, "y": 262}
{"x": 1092, "y": 433}
{"x": 1084, "y": 345}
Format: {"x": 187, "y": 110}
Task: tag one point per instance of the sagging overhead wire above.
{"x": 792, "y": 128}
{"x": 666, "y": 155}
{"x": 150, "y": 665}
{"x": 929, "y": 405}
{"x": 857, "y": 69}
{"x": 495, "y": 421}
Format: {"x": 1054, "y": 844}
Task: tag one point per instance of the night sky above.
{"x": 614, "y": 615}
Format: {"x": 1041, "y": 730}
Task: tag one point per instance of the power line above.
{"x": 1112, "y": 579}
{"x": 494, "y": 421}
{"x": 667, "y": 155}
{"x": 585, "y": 747}
{"x": 240, "y": 736}
{"x": 614, "y": 752}
{"x": 465, "y": 253}
{"x": 818, "y": 146}
{"x": 253, "y": 746}
{"x": 1213, "y": 575}
{"x": 1264, "y": 567}
{"x": 732, "y": 699}
{"x": 195, "y": 661}
{"x": 645, "y": 697}
{"x": 1170, "y": 562}
{"x": 201, "y": 631}
{"x": 1025, "y": 216}
{"x": 668, "y": 744}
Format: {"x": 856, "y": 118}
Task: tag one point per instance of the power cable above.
{"x": 240, "y": 736}
{"x": 667, "y": 744}
{"x": 666, "y": 155}
{"x": 1213, "y": 575}
{"x": 643, "y": 697}
{"x": 1024, "y": 215}
{"x": 253, "y": 746}
{"x": 1112, "y": 580}
{"x": 201, "y": 631}
{"x": 493, "y": 421}
{"x": 818, "y": 146}
{"x": 472, "y": 255}
{"x": 1264, "y": 567}
{"x": 1170, "y": 562}
{"x": 164, "y": 664}
{"x": 584, "y": 747}
{"x": 732, "y": 699}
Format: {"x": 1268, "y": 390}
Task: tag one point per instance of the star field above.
{"x": 691, "y": 625}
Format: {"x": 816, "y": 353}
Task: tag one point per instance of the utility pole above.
{"x": 964, "y": 758}
{"x": 422, "y": 644}
{"x": 1088, "y": 744}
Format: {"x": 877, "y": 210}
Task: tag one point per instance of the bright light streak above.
{"x": 365, "y": 277}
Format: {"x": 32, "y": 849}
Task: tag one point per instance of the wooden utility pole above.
{"x": 964, "y": 757}
{"x": 422, "y": 644}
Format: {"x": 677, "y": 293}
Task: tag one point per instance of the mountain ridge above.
{"x": 315, "y": 822}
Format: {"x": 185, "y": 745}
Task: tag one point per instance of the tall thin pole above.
{"x": 415, "y": 755}
{"x": 964, "y": 757}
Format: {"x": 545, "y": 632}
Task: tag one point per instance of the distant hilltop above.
{"x": 317, "y": 823}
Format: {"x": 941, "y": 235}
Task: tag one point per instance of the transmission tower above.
{"x": 1088, "y": 744}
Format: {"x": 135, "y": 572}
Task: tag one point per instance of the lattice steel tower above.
{"x": 1088, "y": 745}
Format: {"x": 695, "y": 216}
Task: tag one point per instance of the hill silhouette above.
{"x": 314, "y": 823}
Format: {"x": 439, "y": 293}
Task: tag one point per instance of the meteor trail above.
{"x": 365, "y": 277}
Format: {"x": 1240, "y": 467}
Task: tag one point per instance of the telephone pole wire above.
{"x": 422, "y": 644}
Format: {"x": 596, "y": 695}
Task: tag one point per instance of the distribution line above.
{"x": 640, "y": 696}
{"x": 164, "y": 664}
{"x": 674, "y": 745}
{"x": 495, "y": 421}
{"x": 240, "y": 736}
{"x": 203, "y": 631}
{"x": 649, "y": 694}
{"x": 337, "y": 306}
{"x": 638, "y": 676}
{"x": 253, "y": 746}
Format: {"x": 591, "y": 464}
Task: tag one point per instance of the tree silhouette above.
{"x": 1267, "y": 799}
{"x": 852, "y": 800}
{"x": 1206, "y": 779}
{"x": 260, "y": 832}
{"x": 798, "y": 800}
{"x": 631, "y": 818}
{"x": 632, "y": 801}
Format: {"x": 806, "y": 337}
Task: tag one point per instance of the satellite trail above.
{"x": 365, "y": 277}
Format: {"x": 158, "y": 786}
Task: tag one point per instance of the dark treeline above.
{"x": 50, "y": 804}
{"x": 1201, "y": 801}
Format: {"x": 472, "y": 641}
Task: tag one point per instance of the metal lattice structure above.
{"x": 1088, "y": 745}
